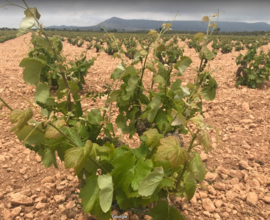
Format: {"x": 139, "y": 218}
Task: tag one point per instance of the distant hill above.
{"x": 135, "y": 25}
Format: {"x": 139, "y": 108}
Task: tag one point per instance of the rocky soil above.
{"x": 237, "y": 183}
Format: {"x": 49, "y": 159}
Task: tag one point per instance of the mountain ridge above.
{"x": 144, "y": 24}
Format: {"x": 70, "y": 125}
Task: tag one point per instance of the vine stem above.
{"x": 56, "y": 56}
{"x": 6, "y": 104}
{"x": 186, "y": 163}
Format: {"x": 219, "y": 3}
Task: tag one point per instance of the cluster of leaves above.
{"x": 111, "y": 174}
{"x": 7, "y": 37}
{"x": 168, "y": 54}
{"x": 226, "y": 49}
{"x": 254, "y": 69}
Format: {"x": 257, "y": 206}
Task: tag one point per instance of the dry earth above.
{"x": 237, "y": 183}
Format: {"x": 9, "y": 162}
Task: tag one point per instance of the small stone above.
{"x": 252, "y": 198}
{"x": 40, "y": 205}
{"x": 16, "y": 211}
{"x": 134, "y": 217}
{"x": 23, "y": 170}
{"x": 230, "y": 195}
{"x": 29, "y": 215}
{"x": 218, "y": 203}
{"x": 38, "y": 158}
{"x": 70, "y": 205}
{"x": 245, "y": 106}
{"x": 216, "y": 216}
{"x": 219, "y": 186}
{"x": 211, "y": 190}
{"x": 20, "y": 199}
{"x": 243, "y": 164}
{"x": 211, "y": 176}
{"x": 206, "y": 213}
{"x": 48, "y": 179}
{"x": 255, "y": 183}
{"x": 208, "y": 205}
{"x": 203, "y": 195}
{"x": 246, "y": 121}
{"x": 6, "y": 214}
{"x": 59, "y": 198}
{"x": 203, "y": 156}
{"x": 266, "y": 199}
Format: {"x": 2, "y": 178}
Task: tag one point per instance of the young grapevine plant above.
{"x": 113, "y": 175}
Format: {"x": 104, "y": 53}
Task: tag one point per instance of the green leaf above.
{"x": 207, "y": 53}
{"x": 32, "y": 71}
{"x": 90, "y": 194}
{"x": 170, "y": 150}
{"x": 160, "y": 80}
{"x": 105, "y": 185}
{"x": 49, "y": 158}
{"x": 154, "y": 106}
{"x": 209, "y": 91}
{"x": 151, "y": 67}
{"x": 42, "y": 93}
{"x": 189, "y": 186}
{"x": 153, "y": 138}
{"x": 182, "y": 64}
{"x": 94, "y": 117}
{"x": 162, "y": 211}
{"x": 51, "y": 132}
{"x": 198, "y": 37}
{"x": 161, "y": 48}
{"x": 151, "y": 182}
{"x": 76, "y": 157}
{"x": 196, "y": 167}
{"x": 142, "y": 169}
{"x": 124, "y": 169}
{"x": 34, "y": 139}
{"x": 26, "y": 24}
{"x": 117, "y": 73}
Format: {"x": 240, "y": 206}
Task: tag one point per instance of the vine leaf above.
{"x": 28, "y": 22}
{"x": 42, "y": 93}
{"x": 76, "y": 157}
{"x": 32, "y": 71}
{"x": 124, "y": 168}
{"x": 204, "y": 140}
{"x": 153, "y": 138}
{"x": 165, "y": 212}
{"x": 151, "y": 182}
{"x": 196, "y": 168}
{"x": 51, "y": 132}
{"x": 182, "y": 64}
{"x": 90, "y": 193}
{"x": 20, "y": 116}
{"x": 170, "y": 150}
{"x": 142, "y": 169}
{"x": 105, "y": 184}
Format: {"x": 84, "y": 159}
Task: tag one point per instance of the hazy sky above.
{"x": 92, "y": 12}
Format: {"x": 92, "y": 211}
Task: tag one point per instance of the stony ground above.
{"x": 237, "y": 183}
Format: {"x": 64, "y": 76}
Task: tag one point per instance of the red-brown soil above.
{"x": 238, "y": 180}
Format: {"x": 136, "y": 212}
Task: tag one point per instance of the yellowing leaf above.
{"x": 204, "y": 140}
{"x": 170, "y": 150}
{"x": 153, "y": 33}
{"x": 214, "y": 25}
{"x": 153, "y": 138}
{"x": 205, "y": 19}
{"x": 166, "y": 25}
{"x": 20, "y": 116}
{"x": 52, "y": 132}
